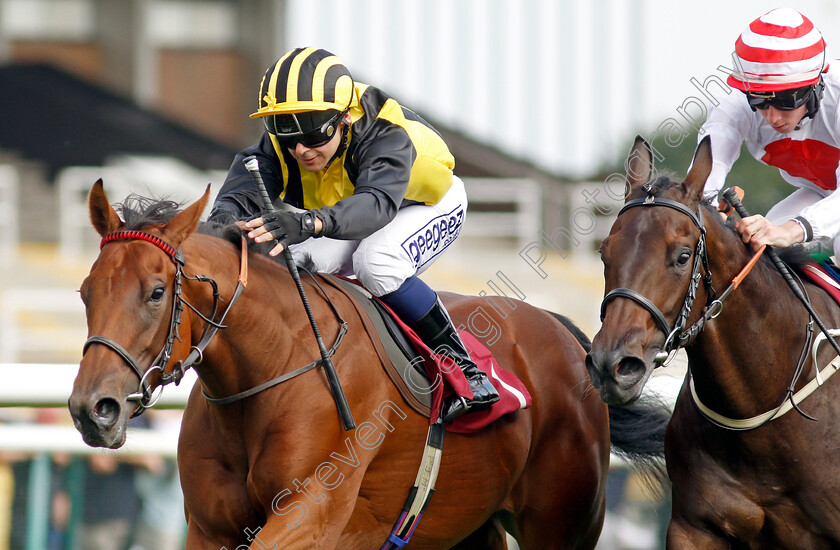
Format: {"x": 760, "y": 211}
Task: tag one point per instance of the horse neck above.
{"x": 261, "y": 325}
{"x": 746, "y": 357}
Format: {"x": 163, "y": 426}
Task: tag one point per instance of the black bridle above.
{"x": 678, "y": 336}
{"x": 144, "y": 395}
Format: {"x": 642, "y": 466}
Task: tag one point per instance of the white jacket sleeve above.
{"x": 824, "y": 214}
{"x": 728, "y": 124}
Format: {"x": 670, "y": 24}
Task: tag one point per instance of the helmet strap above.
{"x": 814, "y": 101}
{"x": 345, "y": 135}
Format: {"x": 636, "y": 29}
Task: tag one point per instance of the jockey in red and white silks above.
{"x": 788, "y": 116}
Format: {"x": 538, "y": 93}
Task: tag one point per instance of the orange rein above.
{"x": 747, "y": 268}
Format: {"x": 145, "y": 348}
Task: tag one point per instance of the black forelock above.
{"x": 138, "y": 211}
{"x": 658, "y": 186}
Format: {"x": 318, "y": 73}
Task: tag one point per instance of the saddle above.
{"x": 824, "y": 274}
{"x": 411, "y": 365}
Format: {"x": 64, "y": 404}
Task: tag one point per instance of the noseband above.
{"x": 677, "y": 336}
{"x": 145, "y": 393}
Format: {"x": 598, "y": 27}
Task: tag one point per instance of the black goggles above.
{"x": 312, "y": 129}
{"x": 785, "y": 100}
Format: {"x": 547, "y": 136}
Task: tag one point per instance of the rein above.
{"x": 145, "y": 393}
{"x": 342, "y": 330}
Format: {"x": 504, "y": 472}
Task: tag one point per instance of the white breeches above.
{"x": 407, "y": 246}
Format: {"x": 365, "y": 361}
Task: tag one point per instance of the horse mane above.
{"x": 795, "y": 255}
{"x": 231, "y": 233}
{"x": 662, "y": 183}
{"x": 138, "y": 212}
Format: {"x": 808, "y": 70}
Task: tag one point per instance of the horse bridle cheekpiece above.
{"x": 145, "y": 394}
{"x": 678, "y": 336}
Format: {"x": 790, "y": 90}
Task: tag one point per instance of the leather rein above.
{"x": 678, "y": 336}
{"x": 145, "y": 395}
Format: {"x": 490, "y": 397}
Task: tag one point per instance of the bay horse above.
{"x": 743, "y": 474}
{"x": 277, "y": 469}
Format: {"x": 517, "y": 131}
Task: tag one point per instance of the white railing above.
{"x": 50, "y": 385}
{"x": 43, "y": 320}
{"x": 8, "y": 211}
{"x": 32, "y": 438}
{"x": 504, "y": 207}
{"x": 592, "y": 212}
{"x": 158, "y": 177}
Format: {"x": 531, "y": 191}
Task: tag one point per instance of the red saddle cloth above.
{"x": 447, "y": 379}
{"x": 822, "y": 278}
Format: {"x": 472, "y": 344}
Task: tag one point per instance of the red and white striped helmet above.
{"x": 781, "y": 50}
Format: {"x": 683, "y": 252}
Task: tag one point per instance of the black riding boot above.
{"x": 436, "y": 329}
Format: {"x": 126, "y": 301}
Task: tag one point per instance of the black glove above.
{"x": 290, "y": 227}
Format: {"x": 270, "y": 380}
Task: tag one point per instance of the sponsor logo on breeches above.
{"x": 434, "y": 237}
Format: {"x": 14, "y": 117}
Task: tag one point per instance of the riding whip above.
{"x": 252, "y": 165}
{"x": 735, "y": 202}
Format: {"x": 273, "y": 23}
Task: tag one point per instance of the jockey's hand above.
{"x": 758, "y": 230}
{"x": 286, "y": 227}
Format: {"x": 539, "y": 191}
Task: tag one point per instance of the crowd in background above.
{"x": 102, "y": 501}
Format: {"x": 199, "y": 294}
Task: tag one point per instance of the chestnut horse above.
{"x": 276, "y": 469}
{"x": 743, "y": 473}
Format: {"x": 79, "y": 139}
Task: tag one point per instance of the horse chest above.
{"x": 754, "y": 491}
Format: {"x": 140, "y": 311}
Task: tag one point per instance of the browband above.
{"x": 135, "y": 235}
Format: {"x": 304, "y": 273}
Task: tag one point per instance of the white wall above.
{"x": 564, "y": 84}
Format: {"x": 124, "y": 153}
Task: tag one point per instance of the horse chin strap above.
{"x": 145, "y": 395}
{"x": 678, "y": 336}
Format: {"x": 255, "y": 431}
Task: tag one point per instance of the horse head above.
{"x": 653, "y": 260}
{"x": 130, "y": 299}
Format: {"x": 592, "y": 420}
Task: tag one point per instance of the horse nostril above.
{"x": 106, "y": 411}
{"x": 630, "y": 366}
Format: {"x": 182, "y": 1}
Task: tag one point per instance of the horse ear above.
{"x": 639, "y": 164}
{"x": 701, "y": 167}
{"x": 185, "y": 222}
{"x": 102, "y": 215}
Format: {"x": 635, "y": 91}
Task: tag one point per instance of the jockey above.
{"x": 373, "y": 191}
{"x": 788, "y": 116}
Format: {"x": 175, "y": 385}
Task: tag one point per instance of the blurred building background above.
{"x": 538, "y": 99}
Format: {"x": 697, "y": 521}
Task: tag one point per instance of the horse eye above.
{"x": 683, "y": 258}
{"x": 157, "y": 294}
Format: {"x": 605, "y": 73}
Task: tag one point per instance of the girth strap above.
{"x": 422, "y": 491}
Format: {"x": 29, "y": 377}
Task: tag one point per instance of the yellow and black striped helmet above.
{"x": 305, "y": 79}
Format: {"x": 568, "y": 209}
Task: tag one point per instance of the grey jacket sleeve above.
{"x": 380, "y": 168}
{"x": 239, "y": 197}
